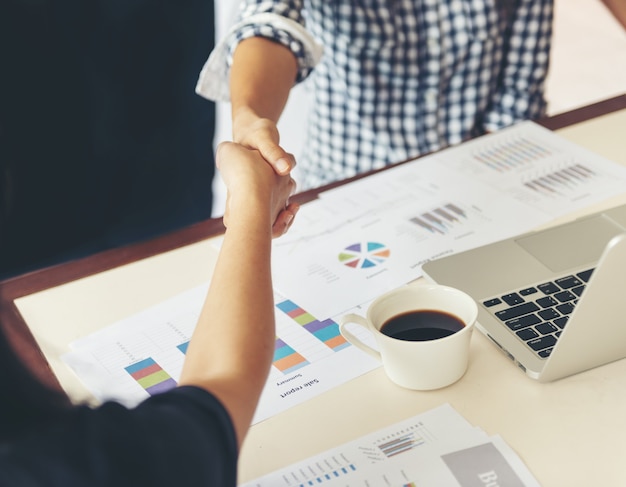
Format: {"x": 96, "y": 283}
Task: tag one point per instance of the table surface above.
{"x": 569, "y": 432}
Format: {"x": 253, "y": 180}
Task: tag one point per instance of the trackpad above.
{"x": 571, "y": 245}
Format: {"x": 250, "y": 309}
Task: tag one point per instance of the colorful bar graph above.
{"x": 150, "y": 376}
{"x": 326, "y": 331}
{"x": 286, "y": 359}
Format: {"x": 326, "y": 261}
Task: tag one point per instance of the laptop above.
{"x": 554, "y": 300}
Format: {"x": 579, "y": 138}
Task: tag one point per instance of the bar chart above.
{"x": 326, "y": 331}
{"x": 151, "y": 376}
{"x": 510, "y": 154}
{"x": 442, "y": 219}
{"x": 286, "y": 359}
{"x": 561, "y": 181}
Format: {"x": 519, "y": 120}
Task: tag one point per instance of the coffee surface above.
{"x": 422, "y": 325}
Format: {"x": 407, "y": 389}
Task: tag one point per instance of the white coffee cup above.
{"x": 428, "y": 363}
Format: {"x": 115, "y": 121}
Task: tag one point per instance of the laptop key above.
{"x": 548, "y": 314}
{"x": 542, "y": 342}
{"x": 564, "y": 296}
{"x": 578, "y": 290}
{"x": 512, "y": 299}
{"x": 523, "y": 322}
{"x": 565, "y": 308}
{"x": 561, "y": 322}
{"x": 515, "y": 311}
{"x": 491, "y": 302}
{"x": 547, "y": 302}
{"x": 585, "y": 275}
{"x": 528, "y": 291}
{"x": 568, "y": 282}
{"x": 545, "y": 353}
{"x": 548, "y": 288}
{"x": 527, "y": 334}
{"x": 546, "y": 328}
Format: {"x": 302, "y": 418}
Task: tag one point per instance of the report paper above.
{"x": 436, "y": 448}
{"x": 143, "y": 354}
{"x": 362, "y": 239}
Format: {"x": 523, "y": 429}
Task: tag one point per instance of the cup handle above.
{"x": 358, "y": 320}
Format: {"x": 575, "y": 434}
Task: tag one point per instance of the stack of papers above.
{"x": 436, "y": 448}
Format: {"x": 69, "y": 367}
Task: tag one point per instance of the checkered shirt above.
{"x": 400, "y": 78}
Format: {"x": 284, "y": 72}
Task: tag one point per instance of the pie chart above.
{"x": 364, "y": 255}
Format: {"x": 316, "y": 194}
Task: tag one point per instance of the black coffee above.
{"x": 422, "y": 325}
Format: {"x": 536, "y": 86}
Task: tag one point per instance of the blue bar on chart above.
{"x": 286, "y": 359}
{"x": 326, "y": 331}
{"x": 183, "y": 347}
{"x": 322, "y": 477}
{"x": 150, "y": 376}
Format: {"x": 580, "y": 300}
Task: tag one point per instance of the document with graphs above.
{"x": 143, "y": 354}
{"x": 438, "y": 447}
{"x": 364, "y": 238}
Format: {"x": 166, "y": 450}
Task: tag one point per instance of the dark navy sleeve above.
{"x": 183, "y": 437}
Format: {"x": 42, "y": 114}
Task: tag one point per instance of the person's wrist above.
{"x": 242, "y": 118}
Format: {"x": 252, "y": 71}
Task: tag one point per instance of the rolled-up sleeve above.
{"x": 281, "y": 22}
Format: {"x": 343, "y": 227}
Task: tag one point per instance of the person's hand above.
{"x": 254, "y": 190}
{"x": 262, "y": 134}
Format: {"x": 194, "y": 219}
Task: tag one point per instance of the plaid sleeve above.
{"x": 521, "y": 92}
{"x": 280, "y": 21}
{"x": 251, "y": 25}
{"x": 284, "y": 37}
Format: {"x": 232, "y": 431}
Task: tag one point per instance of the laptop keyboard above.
{"x": 538, "y": 314}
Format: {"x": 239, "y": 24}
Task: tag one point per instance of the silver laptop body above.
{"x": 594, "y": 333}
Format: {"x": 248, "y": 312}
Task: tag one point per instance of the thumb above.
{"x": 278, "y": 158}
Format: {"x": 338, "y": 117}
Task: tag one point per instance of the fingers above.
{"x": 281, "y": 161}
{"x": 283, "y": 165}
{"x": 284, "y": 220}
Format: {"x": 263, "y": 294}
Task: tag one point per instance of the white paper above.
{"x": 143, "y": 354}
{"x": 367, "y": 237}
{"x": 436, "y": 448}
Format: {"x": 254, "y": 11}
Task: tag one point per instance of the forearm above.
{"x": 261, "y": 76}
{"x": 232, "y": 347}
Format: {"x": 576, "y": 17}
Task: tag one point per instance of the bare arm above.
{"x": 261, "y": 77}
{"x": 232, "y": 347}
{"x": 618, "y": 9}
